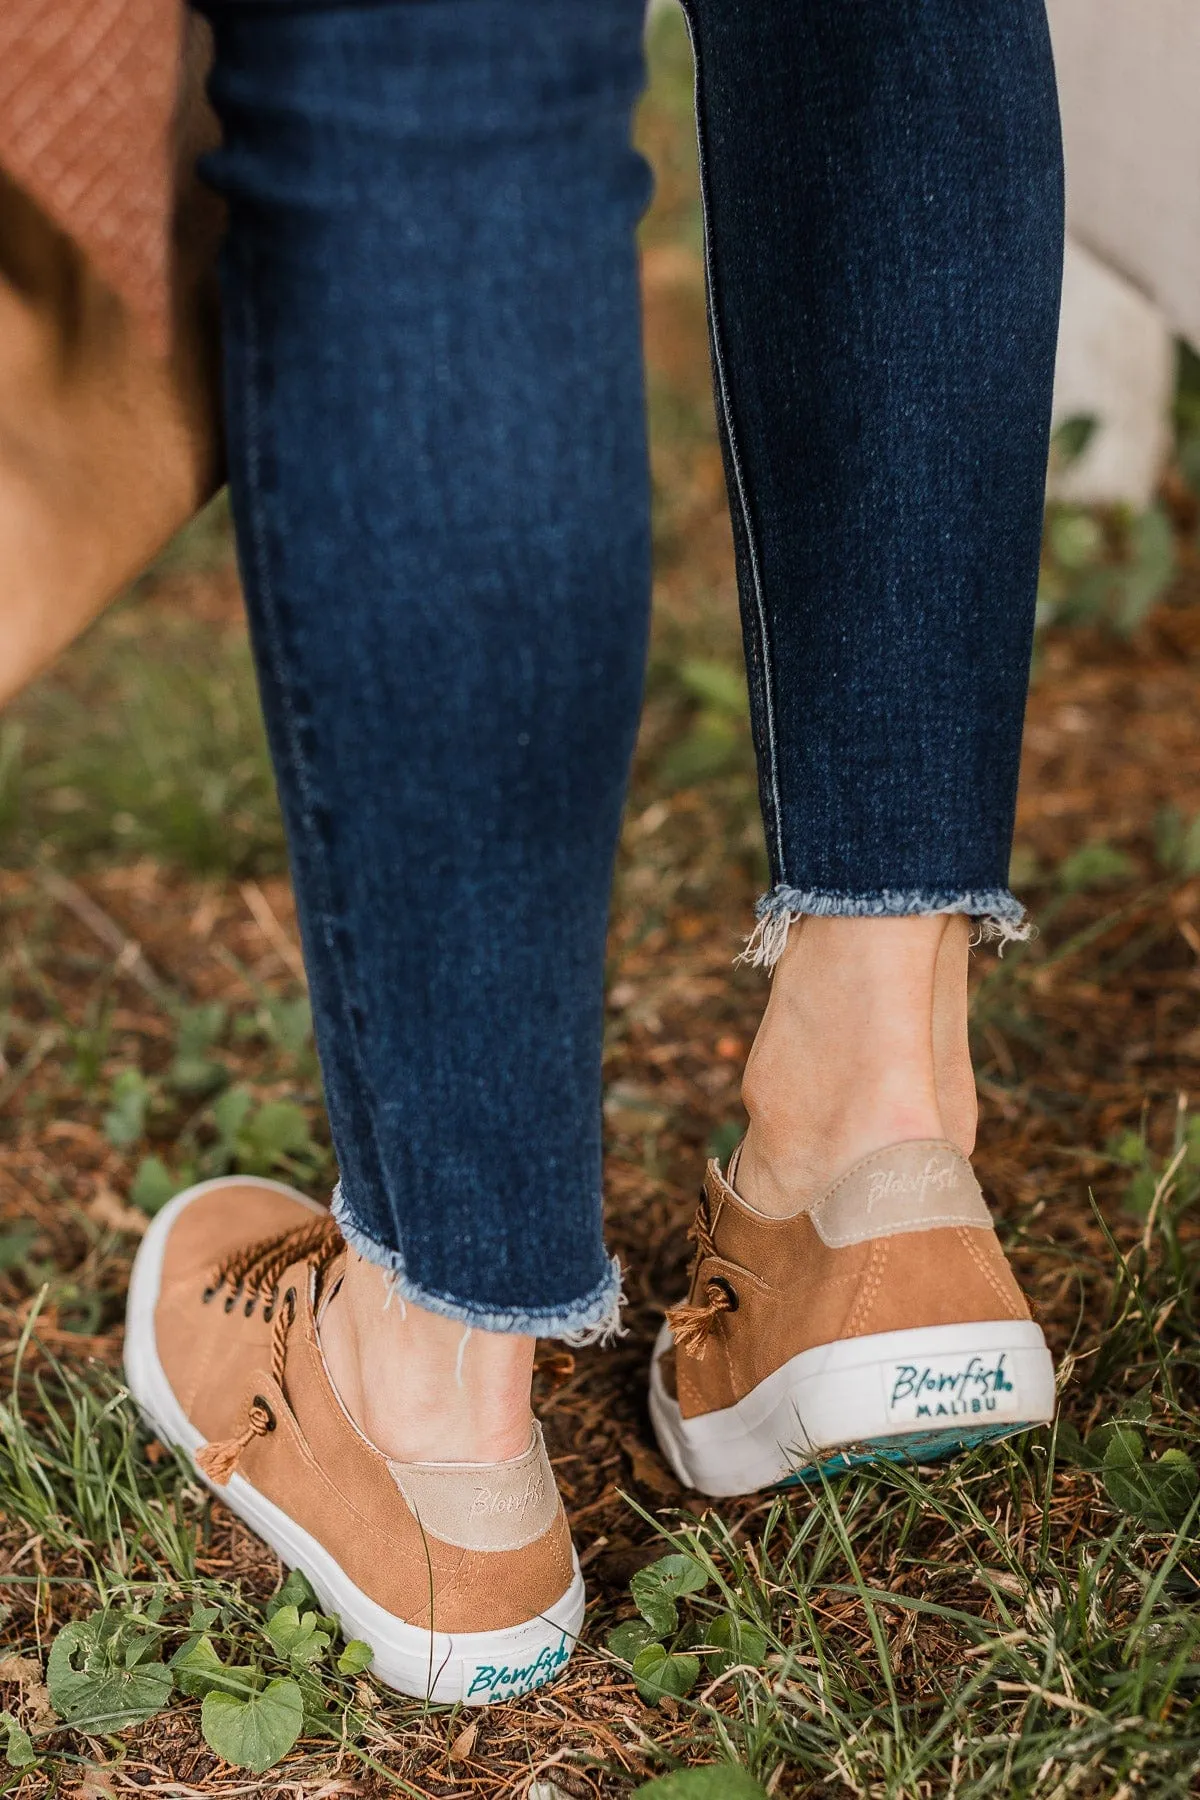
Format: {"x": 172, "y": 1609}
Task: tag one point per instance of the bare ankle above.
{"x": 958, "y": 1099}
{"x": 421, "y": 1387}
{"x": 844, "y": 1060}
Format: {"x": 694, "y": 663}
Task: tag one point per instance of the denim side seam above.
{"x": 999, "y": 912}
{"x": 594, "y": 1319}
{"x": 743, "y": 499}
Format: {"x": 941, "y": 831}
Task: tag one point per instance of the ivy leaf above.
{"x": 719, "y": 1781}
{"x": 655, "y": 1589}
{"x": 355, "y": 1658}
{"x": 257, "y": 1732}
{"x": 19, "y": 1752}
{"x": 297, "y": 1635}
{"x": 626, "y": 1640}
{"x": 737, "y": 1641}
{"x": 103, "y": 1673}
{"x": 657, "y": 1672}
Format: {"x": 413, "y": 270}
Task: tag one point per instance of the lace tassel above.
{"x": 691, "y": 1326}
{"x": 218, "y": 1461}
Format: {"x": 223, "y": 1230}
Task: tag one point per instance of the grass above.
{"x": 1024, "y": 1621}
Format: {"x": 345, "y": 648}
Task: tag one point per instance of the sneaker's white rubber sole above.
{"x": 475, "y": 1667}
{"x": 904, "y": 1395}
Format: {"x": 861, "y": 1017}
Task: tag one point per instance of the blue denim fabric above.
{"x": 440, "y": 489}
{"x": 883, "y": 196}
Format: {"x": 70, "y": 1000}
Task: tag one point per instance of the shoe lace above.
{"x": 691, "y": 1323}
{"x": 256, "y": 1269}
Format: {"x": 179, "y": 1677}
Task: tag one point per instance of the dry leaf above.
{"x": 27, "y": 1670}
{"x": 648, "y": 1469}
{"x": 96, "y": 1785}
{"x": 106, "y": 1209}
{"x": 464, "y": 1743}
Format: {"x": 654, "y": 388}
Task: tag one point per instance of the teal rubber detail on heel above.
{"x": 912, "y": 1447}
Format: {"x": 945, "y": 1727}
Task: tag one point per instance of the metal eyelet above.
{"x": 259, "y": 1401}
{"x": 730, "y": 1293}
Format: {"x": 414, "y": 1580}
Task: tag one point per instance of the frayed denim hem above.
{"x": 595, "y": 1319}
{"x": 999, "y": 912}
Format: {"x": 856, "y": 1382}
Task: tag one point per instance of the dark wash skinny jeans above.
{"x": 439, "y": 476}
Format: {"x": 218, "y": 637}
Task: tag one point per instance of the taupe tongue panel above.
{"x": 907, "y": 1187}
{"x": 483, "y": 1506}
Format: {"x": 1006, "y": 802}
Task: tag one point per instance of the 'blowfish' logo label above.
{"x": 501, "y": 1680}
{"x": 937, "y": 1177}
{"x": 950, "y": 1387}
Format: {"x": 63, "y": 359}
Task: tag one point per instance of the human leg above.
{"x": 439, "y": 485}
{"x": 883, "y": 204}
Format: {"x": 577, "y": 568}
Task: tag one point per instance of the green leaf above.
{"x": 15, "y": 1245}
{"x": 718, "y": 1781}
{"x": 290, "y": 1024}
{"x": 153, "y": 1185}
{"x": 255, "y": 1733}
{"x": 200, "y": 1027}
{"x": 1072, "y": 437}
{"x": 19, "y": 1751}
{"x": 655, "y": 1589}
{"x": 297, "y": 1590}
{"x": 1152, "y": 566}
{"x": 1075, "y": 539}
{"x": 738, "y": 1641}
{"x": 104, "y": 1673}
{"x": 193, "y": 1071}
{"x": 657, "y": 1672}
{"x": 229, "y": 1113}
{"x": 712, "y": 746}
{"x": 297, "y": 1635}
{"x": 277, "y": 1130}
{"x": 198, "y": 1670}
{"x": 1176, "y": 1484}
{"x": 626, "y": 1640}
{"x": 717, "y": 684}
{"x": 1093, "y": 866}
{"x": 125, "y": 1120}
{"x": 356, "y": 1657}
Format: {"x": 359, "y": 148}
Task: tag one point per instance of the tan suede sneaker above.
{"x": 882, "y": 1321}
{"x": 461, "y": 1576}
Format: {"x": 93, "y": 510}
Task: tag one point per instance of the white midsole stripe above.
{"x": 892, "y": 1385}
